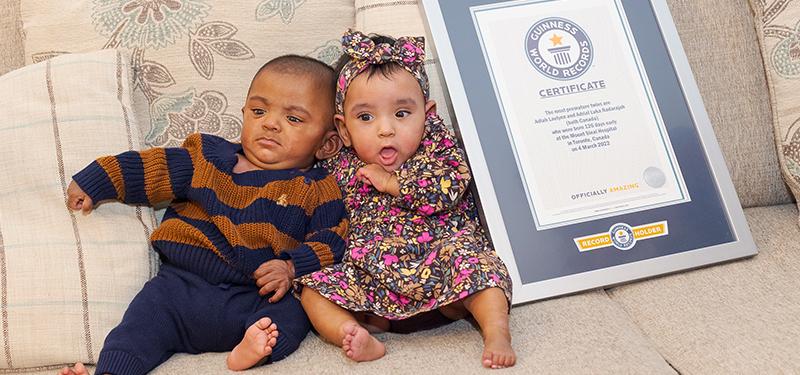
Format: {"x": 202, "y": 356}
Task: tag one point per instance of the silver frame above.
{"x": 743, "y": 246}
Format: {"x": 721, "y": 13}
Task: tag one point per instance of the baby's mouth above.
{"x": 268, "y": 142}
{"x": 388, "y": 156}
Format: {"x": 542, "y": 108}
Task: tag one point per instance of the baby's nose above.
{"x": 271, "y": 123}
{"x": 386, "y": 130}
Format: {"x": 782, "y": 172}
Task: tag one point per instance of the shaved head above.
{"x": 303, "y": 66}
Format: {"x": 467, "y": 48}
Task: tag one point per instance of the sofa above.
{"x": 738, "y": 317}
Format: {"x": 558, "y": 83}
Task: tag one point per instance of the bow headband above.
{"x": 408, "y": 52}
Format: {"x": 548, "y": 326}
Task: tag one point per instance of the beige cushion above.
{"x": 741, "y": 317}
{"x": 586, "y": 333}
{"x": 720, "y": 41}
{"x": 581, "y": 334}
{"x": 194, "y": 58}
{"x": 776, "y": 23}
{"x": 405, "y": 18}
{"x": 65, "y": 278}
{"x": 11, "y": 54}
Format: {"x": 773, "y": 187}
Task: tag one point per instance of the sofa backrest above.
{"x": 720, "y": 40}
{"x": 12, "y": 56}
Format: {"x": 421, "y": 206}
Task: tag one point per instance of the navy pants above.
{"x": 180, "y": 312}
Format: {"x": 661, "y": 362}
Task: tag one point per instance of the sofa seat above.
{"x": 584, "y": 333}
{"x": 740, "y": 317}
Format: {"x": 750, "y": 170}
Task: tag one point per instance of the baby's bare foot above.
{"x": 359, "y": 345}
{"x": 258, "y": 341}
{"x": 497, "y": 350}
{"x": 78, "y": 369}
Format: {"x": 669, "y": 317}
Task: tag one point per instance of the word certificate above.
{"x": 585, "y": 128}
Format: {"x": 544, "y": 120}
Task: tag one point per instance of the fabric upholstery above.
{"x": 721, "y": 44}
{"x": 585, "y": 333}
{"x": 65, "y": 278}
{"x": 10, "y": 37}
{"x": 742, "y": 317}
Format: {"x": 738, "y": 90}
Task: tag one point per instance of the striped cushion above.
{"x": 405, "y": 18}
{"x": 65, "y": 278}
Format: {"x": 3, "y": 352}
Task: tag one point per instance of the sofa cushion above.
{"x": 779, "y": 33}
{"x": 720, "y": 41}
{"x": 586, "y": 333}
{"x": 11, "y": 56}
{"x": 65, "y": 278}
{"x": 194, "y": 58}
{"x": 741, "y": 317}
{"x": 580, "y": 334}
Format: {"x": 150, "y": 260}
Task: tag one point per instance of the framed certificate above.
{"x": 592, "y": 153}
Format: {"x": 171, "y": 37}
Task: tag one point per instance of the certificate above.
{"x": 592, "y": 154}
{"x": 586, "y": 131}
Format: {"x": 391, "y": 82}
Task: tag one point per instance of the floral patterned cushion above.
{"x": 778, "y": 24}
{"x": 193, "y": 59}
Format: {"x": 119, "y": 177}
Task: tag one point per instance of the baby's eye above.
{"x": 365, "y": 117}
{"x": 401, "y": 114}
{"x": 258, "y": 111}
{"x": 293, "y": 119}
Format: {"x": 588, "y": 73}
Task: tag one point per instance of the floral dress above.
{"x": 417, "y": 252}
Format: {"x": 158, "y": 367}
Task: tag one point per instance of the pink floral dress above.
{"x": 414, "y": 253}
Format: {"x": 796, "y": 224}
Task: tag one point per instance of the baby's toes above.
{"x": 264, "y": 323}
{"x": 487, "y": 359}
{"x": 261, "y": 340}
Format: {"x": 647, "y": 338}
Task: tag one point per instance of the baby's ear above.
{"x": 338, "y": 119}
{"x": 331, "y": 144}
{"x": 430, "y": 107}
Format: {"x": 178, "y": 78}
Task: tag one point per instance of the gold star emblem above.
{"x": 556, "y": 40}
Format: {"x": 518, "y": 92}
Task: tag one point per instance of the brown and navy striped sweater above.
{"x": 222, "y": 225}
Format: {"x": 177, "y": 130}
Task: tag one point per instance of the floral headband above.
{"x": 408, "y": 52}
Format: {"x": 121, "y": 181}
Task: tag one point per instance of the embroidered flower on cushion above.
{"x": 270, "y": 8}
{"x": 786, "y": 54}
{"x": 329, "y": 52}
{"x": 175, "y": 117}
{"x": 148, "y": 23}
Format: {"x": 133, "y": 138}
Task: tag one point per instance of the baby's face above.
{"x": 286, "y": 119}
{"x": 384, "y": 118}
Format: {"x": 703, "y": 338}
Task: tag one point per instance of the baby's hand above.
{"x": 383, "y": 181}
{"x": 274, "y": 276}
{"x": 77, "y": 199}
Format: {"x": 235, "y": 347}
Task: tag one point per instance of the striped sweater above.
{"x": 222, "y": 225}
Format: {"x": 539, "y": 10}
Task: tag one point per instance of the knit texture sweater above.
{"x": 222, "y": 225}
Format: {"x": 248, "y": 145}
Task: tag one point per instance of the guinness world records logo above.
{"x": 559, "y": 48}
{"x": 622, "y": 236}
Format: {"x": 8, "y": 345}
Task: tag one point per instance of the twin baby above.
{"x": 258, "y": 245}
